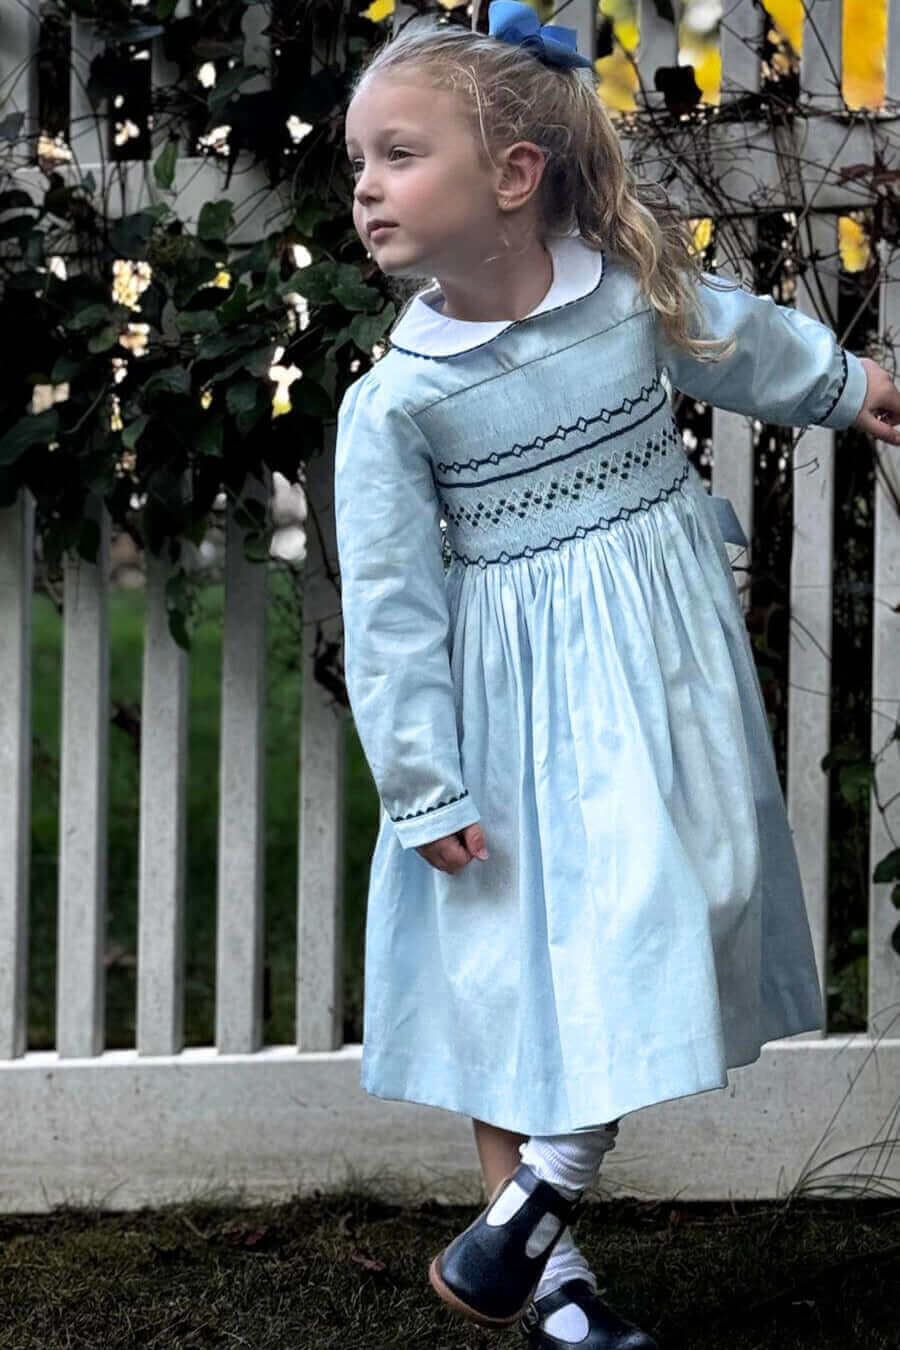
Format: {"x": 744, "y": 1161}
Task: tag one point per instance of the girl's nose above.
{"x": 363, "y": 191}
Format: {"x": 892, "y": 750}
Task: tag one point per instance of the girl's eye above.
{"x": 353, "y": 163}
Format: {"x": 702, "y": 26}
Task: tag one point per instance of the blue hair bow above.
{"x": 518, "y": 24}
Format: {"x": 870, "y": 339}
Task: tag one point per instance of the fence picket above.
{"x": 19, "y": 63}
{"x": 658, "y": 46}
{"x": 16, "y": 583}
{"x": 884, "y": 918}
{"x": 239, "y": 935}
{"x": 80, "y": 973}
{"x": 320, "y": 898}
{"x": 809, "y": 659}
{"x": 88, "y": 131}
{"x": 161, "y": 848}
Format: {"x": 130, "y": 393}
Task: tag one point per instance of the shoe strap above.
{"x": 546, "y": 1196}
{"x": 571, "y": 1291}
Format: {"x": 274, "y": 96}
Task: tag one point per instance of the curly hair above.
{"x": 507, "y": 96}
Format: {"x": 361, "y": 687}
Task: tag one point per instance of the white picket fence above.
{"x": 160, "y": 1122}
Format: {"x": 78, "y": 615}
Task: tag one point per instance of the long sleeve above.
{"x": 787, "y": 368}
{"x": 396, "y": 619}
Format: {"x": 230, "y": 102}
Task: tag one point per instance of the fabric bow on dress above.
{"x": 519, "y": 25}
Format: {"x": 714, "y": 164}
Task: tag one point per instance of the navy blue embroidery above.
{"x": 558, "y": 459}
{"x": 424, "y": 812}
{"x": 844, "y": 375}
{"x": 542, "y": 493}
{"x": 579, "y": 533}
{"x": 561, "y": 432}
{"x": 424, "y": 356}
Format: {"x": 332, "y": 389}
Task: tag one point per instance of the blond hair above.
{"x": 586, "y": 184}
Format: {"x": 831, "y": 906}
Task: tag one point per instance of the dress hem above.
{"x": 457, "y": 1104}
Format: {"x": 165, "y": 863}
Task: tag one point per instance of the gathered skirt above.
{"x": 639, "y": 926}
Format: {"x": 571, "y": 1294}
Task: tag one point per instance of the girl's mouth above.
{"x": 380, "y": 230}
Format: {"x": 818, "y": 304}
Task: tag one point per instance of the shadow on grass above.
{"x": 347, "y": 1271}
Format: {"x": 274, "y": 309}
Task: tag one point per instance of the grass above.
{"x": 282, "y": 732}
{"x": 346, "y": 1271}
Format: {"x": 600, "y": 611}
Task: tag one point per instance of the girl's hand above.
{"x": 881, "y": 409}
{"x": 452, "y": 852}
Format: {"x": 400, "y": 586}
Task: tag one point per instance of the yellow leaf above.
{"x": 378, "y": 10}
{"x": 706, "y": 58}
{"x": 856, "y": 253}
{"x": 788, "y": 16}
{"x": 628, "y": 34}
{"x": 701, "y": 230}
{"x": 617, "y": 82}
{"x": 864, "y": 26}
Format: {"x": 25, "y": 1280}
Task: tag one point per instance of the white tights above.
{"x": 571, "y": 1163}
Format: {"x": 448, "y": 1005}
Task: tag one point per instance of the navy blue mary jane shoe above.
{"x": 489, "y": 1272}
{"x": 606, "y": 1329}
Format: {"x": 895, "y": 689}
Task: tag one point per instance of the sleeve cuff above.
{"x": 424, "y": 826}
{"x": 851, "y": 393}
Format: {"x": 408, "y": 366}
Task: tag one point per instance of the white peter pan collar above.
{"x": 422, "y": 330}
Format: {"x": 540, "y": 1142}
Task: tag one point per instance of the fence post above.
{"x": 16, "y": 582}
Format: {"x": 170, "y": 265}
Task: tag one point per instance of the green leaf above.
{"x": 106, "y": 338}
{"x": 355, "y": 294}
{"x": 235, "y": 306}
{"x": 888, "y": 869}
{"x": 241, "y": 397}
{"x": 216, "y": 221}
{"x": 855, "y": 782}
{"x": 192, "y": 277}
{"x": 227, "y": 84}
{"x": 895, "y": 896}
{"x": 174, "y": 380}
{"x": 130, "y": 236}
{"x": 309, "y": 396}
{"x": 247, "y": 419}
{"x": 198, "y": 321}
{"x": 92, "y": 316}
{"x": 308, "y": 214}
{"x": 259, "y": 362}
{"x": 132, "y": 433}
{"x": 366, "y": 329}
{"x": 314, "y": 282}
{"x": 223, "y": 344}
{"x": 255, "y": 259}
{"x": 66, "y": 368}
{"x": 164, "y": 167}
{"x": 32, "y": 429}
{"x": 210, "y": 438}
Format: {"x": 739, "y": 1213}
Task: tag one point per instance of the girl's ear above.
{"x": 523, "y": 165}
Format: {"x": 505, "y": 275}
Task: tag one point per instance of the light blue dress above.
{"x": 579, "y": 679}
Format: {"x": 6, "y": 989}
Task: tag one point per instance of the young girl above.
{"x": 584, "y": 896}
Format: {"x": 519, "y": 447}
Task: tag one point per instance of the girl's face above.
{"x": 416, "y": 164}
